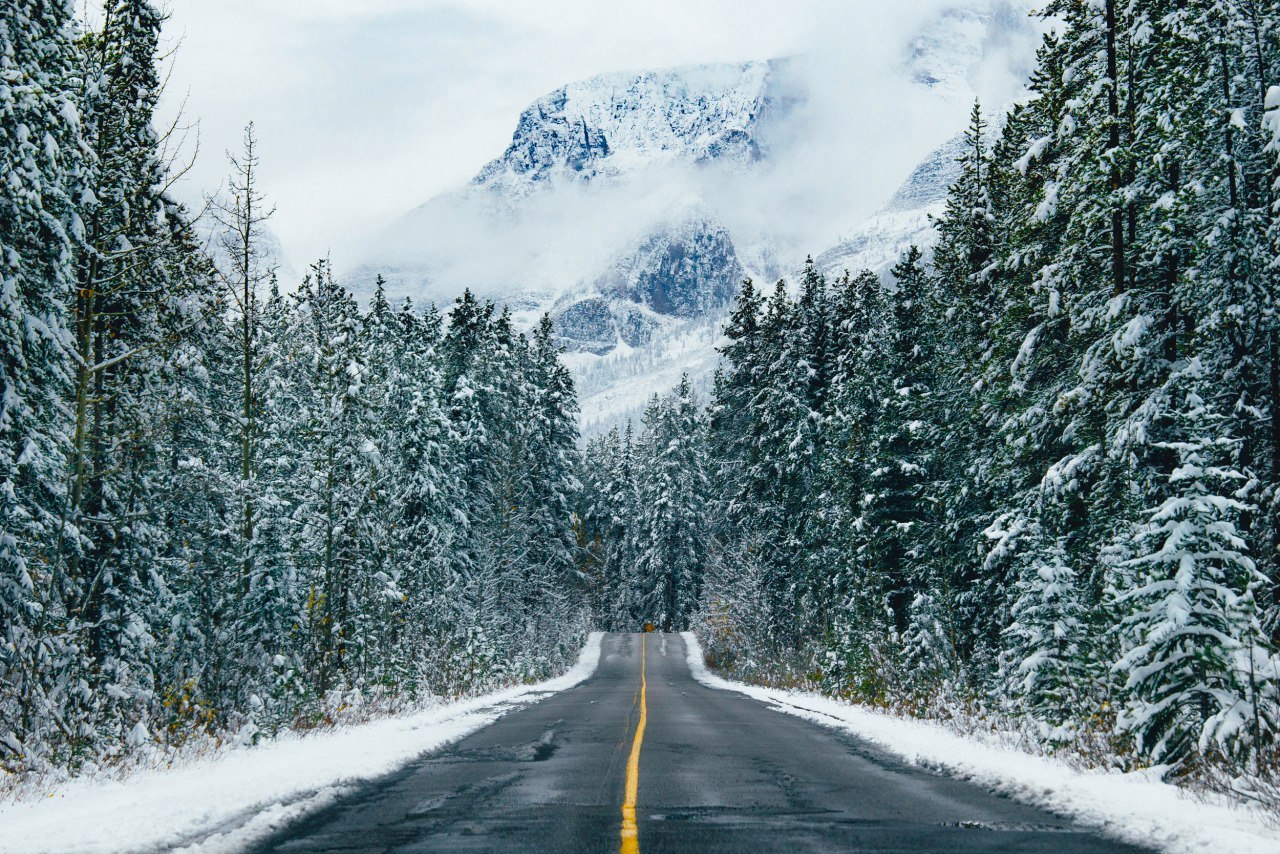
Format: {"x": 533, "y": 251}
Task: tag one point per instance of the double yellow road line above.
{"x": 630, "y": 834}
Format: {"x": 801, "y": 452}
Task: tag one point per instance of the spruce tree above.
{"x": 1186, "y": 598}
{"x": 44, "y": 171}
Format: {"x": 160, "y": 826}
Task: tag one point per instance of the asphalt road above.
{"x": 718, "y": 771}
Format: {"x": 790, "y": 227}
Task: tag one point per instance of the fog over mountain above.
{"x": 630, "y": 205}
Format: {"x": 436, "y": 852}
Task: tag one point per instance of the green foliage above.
{"x": 1033, "y": 473}
{"x": 225, "y": 511}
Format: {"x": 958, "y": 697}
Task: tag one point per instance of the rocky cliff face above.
{"x": 614, "y": 123}
{"x": 622, "y": 204}
{"x": 682, "y": 269}
{"x": 595, "y": 212}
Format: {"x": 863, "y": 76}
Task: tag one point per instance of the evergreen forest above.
{"x": 1030, "y": 477}
{"x": 227, "y": 510}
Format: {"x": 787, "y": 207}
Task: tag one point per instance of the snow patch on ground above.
{"x": 229, "y": 801}
{"x": 618, "y": 387}
{"x": 1136, "y": 808}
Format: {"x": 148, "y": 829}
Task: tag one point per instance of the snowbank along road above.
{"x": 643, "y": 758}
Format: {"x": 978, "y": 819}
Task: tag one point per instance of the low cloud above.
{"x": 366, "y": 110}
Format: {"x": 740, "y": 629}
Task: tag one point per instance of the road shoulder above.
{"x": 1136, "y": 808}
{"x": 231, "y": 799}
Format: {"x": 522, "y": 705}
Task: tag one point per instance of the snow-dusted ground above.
{"x": 1135, "y": 808}
{"x": 617, "y": 387}
{"x": 226, "y": 802}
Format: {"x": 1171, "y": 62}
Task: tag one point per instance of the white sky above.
{"x": 367, "y": 108}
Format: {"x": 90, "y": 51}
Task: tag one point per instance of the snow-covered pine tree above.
{"x": 780, "y": 470}
{"x": 43, "y": 168}
{"x": 896, "y": 508}
{"x": 247, "y": 603}
{"x": 1186, "y": 599}
{"x": 928, "y": 650}
{"x": 379, "y": 596}
{"x": 672, "y": 488}
{"x": 731, "y": 422}
{"x": 624, "y": 505}
{"x": 815, "y": 518}
{"x": 270, "y": 638}
{"x": 612, "y": 518}
{"x": 551, "y": 462}
{"x": 244, "y": 272}
{"x": 1231, "y": 289}
{"x": 592, "y": 518}
{"x": 1046, "y": 646}
{"x": 853, "y": 407}
{"x": 425, "y": 516}
{"x": 326, "y": 387}
{"x": 143, "y": 298}
{"x": 965, "y": 262}
{"x": 966, "y": 242}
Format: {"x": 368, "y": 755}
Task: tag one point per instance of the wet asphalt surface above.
{"x": 718, "y": 772}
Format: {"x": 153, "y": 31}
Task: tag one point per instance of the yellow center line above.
{"x": 630, "y": 834}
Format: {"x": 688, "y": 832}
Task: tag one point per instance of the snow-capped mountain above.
{"x": 907, "y": 219}
{"x": 631, "y": 205}
{"x": 614, "y": 123}
{"x": 599, "y": 210}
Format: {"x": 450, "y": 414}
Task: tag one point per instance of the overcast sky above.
{"x": 367, "y": 108}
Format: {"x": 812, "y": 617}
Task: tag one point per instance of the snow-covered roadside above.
{"x": 226, "y": 802}
{"x": 1135, "y": 808}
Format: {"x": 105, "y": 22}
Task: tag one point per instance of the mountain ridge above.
{"x": 623, "y": 204}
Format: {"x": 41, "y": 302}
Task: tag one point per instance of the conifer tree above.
{"x": 244, "y": 272}
{"x": 1186, "y": 599}
{"x": 1046, "y": 642}
{"x": 44, "y": 170}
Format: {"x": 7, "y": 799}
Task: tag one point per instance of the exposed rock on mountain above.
{"x": 615, "y": 123}
{"x": 629, "y": 205}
